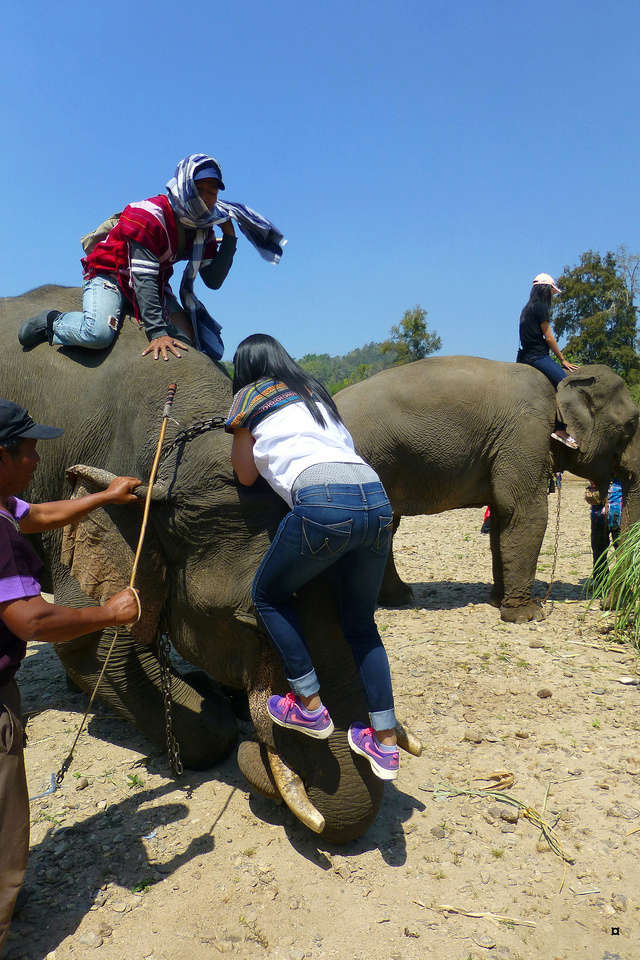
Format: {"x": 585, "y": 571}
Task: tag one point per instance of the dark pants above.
{"x": 601, "y": 533}
{"x": 552, "y": 370}
{"x": 347, "y": 527}
{"x": 14, "y": 804}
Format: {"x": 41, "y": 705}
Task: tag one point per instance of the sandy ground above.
{"x": 126, "y": 863}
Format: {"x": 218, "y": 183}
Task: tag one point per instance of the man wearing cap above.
{"x": 26, "y": 616}
{"x": 537, "y": 339}
{"x": 133, "y": 264}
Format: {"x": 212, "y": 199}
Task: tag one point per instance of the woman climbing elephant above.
{"x": 286, "y": 428}
{"x": 537, "y": 339}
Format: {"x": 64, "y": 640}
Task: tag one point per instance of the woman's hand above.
{"x": 120, "y": 490}
{"x": 163, "y": 344}
{"x": 571, "y": 367}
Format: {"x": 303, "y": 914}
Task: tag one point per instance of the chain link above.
{"x": 184, "y": 436}
{"x": 555, "y": 550}
{"x": 173, "y": 747}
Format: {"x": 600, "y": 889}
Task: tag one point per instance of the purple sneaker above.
{"x": 288, "y": 712}
{"x": 362, "y": 740}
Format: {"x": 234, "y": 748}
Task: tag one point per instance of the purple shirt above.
{"x": 20, "y": 568}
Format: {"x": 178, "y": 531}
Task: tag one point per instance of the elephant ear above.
{"x": 576, "y": 408}
{"x": 99, "y": 550}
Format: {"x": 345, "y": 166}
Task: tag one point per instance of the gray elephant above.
{"x": 450, "y": 432}
{"x": 205, "y": 540}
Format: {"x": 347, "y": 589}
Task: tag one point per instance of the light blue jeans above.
{"x": 96, "y": 326}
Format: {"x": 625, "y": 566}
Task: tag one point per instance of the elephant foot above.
{"x": 496, "y": 597}
{"x": 522, "y": 613}
{"x": 398, "y": 595}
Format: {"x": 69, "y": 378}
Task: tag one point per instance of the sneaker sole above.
{"x": 379, "y": 771}
{"x": 316, "y": 734}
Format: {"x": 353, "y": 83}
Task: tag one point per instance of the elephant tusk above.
{"x": 408, "y": 740}
{"x": 293, "y": 793}
{"x": 102, "y": 478}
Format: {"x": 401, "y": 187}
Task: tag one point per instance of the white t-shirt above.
{"x": 289, "y": 441}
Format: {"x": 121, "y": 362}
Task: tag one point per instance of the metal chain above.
{"x": 555, "y": 550}
{"x": 173, "y": 747}
{"x": 200, "y": 426}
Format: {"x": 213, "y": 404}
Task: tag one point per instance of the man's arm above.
{"x": 214, "y": 272}
{"x": 32, "y": 618}
{"x": 57, "y": 513}
{"x": 145, "y": 269}
{"x": 242, "y": 457}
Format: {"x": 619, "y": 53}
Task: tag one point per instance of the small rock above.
{"x": 411, "y": 933}
{"x": 598, "y": 691}
{"x": 438, "y": 832}
{"x": 82, "y": 783}
{"x": 619, "y": 902}
{"x": 508, "y": 828}
{"x": 90, "y": 940}
{"x": 576, "y": 772}
{"x": 119, "y": 907}
{"x": 495, "y": 811}
{"x": 105, "y": 930}
{"x": 542, "y": 846}
{"x": 543, "y": 693}
{"x": 510, "y": 815}
{"x": 472, "y": 736}
{"x": 522, "y": 735}
{"x": 536, "y": 644}
{"x": 623, "y": 810}
{"x": 603, "y": 786}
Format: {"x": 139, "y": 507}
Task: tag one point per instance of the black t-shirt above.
{"x": 532, "y": 341}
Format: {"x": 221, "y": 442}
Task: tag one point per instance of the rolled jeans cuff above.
{"x": 307, "y": 685}
{"x": 383, "y": 720}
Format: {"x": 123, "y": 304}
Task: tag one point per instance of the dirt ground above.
{"x": 127, "y": 863}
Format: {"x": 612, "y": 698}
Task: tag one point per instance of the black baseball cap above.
{"x": 15, "y": 423}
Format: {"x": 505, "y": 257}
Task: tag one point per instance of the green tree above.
{"x": 596, "y": 311}
{"x": 411, "y": 339}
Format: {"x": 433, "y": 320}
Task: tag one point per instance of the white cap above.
{"x": 548, "y": 280}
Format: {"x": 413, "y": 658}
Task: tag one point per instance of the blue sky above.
{"x": 411, "y": 152}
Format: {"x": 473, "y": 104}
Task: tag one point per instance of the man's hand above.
{"x": 120, "y": 490}
{"x": 227, "y": 227}
{"x": 122, "y": 607}
{"x": 163, "y": 344}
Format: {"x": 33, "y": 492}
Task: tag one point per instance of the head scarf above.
{"x": 193, "y": 212}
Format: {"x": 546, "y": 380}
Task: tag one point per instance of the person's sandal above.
{"x": 566, "y": 439}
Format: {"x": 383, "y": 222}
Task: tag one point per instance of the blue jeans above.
{"x": 552, "y": 370}
{"x": 346, "y": 527}
{"x": 96, "y": 326}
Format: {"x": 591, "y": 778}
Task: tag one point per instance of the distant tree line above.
{"x": 409, "y": 340}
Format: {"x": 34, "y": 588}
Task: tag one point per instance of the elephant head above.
{"x": 596, "y": 406}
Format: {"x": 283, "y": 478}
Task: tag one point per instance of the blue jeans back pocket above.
{"x": 385, "y": 531}
{"x": 320, "y": 539}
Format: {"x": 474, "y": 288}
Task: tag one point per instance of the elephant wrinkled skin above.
{"x": 450, "y": 432}
{"x": 205, "y": 539}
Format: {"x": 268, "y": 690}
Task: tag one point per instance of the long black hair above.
{"x": 541, "y": 293}
{"x": 260, "y": 356}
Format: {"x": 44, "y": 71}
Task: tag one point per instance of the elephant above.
{"x": 205, "y": 539}
{"x": 448, "y": 432}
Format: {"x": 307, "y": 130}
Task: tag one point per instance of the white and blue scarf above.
{"x": 193, "y": 212}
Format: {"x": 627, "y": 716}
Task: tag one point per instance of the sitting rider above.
{"x": 536, "y": 339}
{"x": 133, "y": 261}
{"x": 25, "y": 615}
